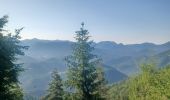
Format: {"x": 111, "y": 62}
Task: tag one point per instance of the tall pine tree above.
{"x": 83, "y": 77}
{"x": 55, "y": 91}
{"x": 9, "y": 70}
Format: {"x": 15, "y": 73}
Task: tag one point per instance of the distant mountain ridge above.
{"x": 119, "y": 60}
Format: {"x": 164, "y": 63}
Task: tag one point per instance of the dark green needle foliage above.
{"x": 10, "y": 48}
{"x": 55, "y": 91}
{"x": 83, "y": 77}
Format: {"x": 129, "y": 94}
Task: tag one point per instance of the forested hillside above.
{"x": 151, "y": 84}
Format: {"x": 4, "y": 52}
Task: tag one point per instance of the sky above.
{"x": 122, "y": 21}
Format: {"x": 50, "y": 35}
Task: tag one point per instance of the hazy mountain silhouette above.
{"x": 119, "y": 60}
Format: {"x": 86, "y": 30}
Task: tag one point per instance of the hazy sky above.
{"x": 122, "y": 21}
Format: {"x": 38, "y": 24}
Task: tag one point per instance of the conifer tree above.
{"x": 55, "y": 91}
{"x": 9, "y": 69}
{"x": 83, "y": 77}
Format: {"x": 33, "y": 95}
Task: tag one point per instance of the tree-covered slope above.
{"x": 150, "y": 84}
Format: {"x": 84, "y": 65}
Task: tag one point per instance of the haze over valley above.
{"x": 118, "y": 60}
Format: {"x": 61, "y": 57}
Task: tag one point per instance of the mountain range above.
{"x": 118, "y": 60}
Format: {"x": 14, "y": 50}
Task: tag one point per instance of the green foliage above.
{"x": 150, "y": 84}
{"x": 16, "y": 92}
{"x": 83, "y": 77}
{"x": 9, "y": 69}
{"x": 102, "y": 87}
{"x": 55, "y": 91}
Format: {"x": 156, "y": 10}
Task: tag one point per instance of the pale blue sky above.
{"x": 122, "y": 21}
